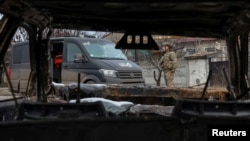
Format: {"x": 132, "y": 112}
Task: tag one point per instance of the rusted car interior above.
{"x": 148, "y": 113}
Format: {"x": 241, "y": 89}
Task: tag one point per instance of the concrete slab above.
{"x": 5, "y": 94}
{"x": 4, "y": 91}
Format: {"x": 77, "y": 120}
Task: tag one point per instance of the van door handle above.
{"x": 65, "y": 67}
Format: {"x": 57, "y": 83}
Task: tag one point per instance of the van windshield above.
{"x": 103, "y": 50}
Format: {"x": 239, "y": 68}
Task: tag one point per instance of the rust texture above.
{"x": 160, "y": 96}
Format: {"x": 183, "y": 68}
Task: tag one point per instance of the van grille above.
{"x": 130, "y": 75}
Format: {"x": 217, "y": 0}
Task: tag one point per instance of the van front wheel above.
{"x": 90, "y": 82}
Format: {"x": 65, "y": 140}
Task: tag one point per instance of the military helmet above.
{"x": 167, "y": 44}
{"x": 164, "y": 44}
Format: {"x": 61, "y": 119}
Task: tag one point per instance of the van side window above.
{"x": 72, "y": 50}
{"x": 21, "y": 54}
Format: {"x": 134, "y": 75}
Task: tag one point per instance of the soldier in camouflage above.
{"x": 168, "y": 64}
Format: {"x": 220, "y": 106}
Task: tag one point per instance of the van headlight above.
{"x": 108, "y": 73}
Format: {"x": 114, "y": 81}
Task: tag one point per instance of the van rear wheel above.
{"x": 90, "y": 82}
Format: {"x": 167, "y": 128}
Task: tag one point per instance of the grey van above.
{"x": 97, "y": 61}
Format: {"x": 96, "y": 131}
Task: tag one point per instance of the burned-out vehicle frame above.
{"x": 101, "y": 112}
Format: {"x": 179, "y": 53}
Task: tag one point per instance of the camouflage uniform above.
{"x": 168, "y": 64}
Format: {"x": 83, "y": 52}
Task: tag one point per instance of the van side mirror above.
{"x": 78, "y": 58}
